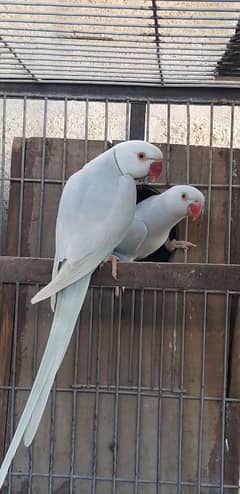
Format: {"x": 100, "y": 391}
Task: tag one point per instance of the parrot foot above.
{"x": 113, "y": 259}
{"x": 174, "y": 244}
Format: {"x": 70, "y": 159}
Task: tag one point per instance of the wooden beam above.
{"x": 132, "y": 275}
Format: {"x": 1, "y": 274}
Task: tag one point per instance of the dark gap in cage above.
{"x": 137, "y": 120}
{"x": 162, "y": 254}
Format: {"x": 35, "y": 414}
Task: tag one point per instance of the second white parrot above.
{"x": 155, "y": 217}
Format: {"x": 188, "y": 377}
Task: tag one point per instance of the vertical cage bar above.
{"x": 183, "y": 343}
{"x": 96, "y": 409}
{"x": 34, "y": 365}
{"x": 202, "y": 393}
{"x": 39, "y": 243}
{"x": 147, "y": 119}
{"x": 188, "y": 143}
{"x": 209, "y": 182}
{"x": 127, "y": 123}
{"x": 153, "y": 351}
{"x": 2, "y": 173}
{"x": 159, "y": 413}
{"x": 20, "y": 214}
{"x": 116, "y": 398}
{"x": 90, "y": 335}
{"x": 174, "y": 342}
{"x": 131, "y": 340}
{"x": 86, "y": 131}
{"x": 74, "y": 407}
{"x": 42, "y": 185}
{"x": 181, "y": 408}
{"x": 224, "y": 390}
{"x": 65, "y": 128}
{"x": 230, "y": 187}
{"x": 111, "y": 329}
{"x": 138, "y": 412}
{"x": 187, "y": 171}
{"x": 106, "y": 126}
{"x": 168, "y": 143}
{"x": 13, "y": 379}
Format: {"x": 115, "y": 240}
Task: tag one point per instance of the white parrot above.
{"x": 155, "y": 217}
{"x": 96, "y": 207}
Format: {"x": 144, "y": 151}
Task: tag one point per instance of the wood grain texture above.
{"x": 8, "y": 293}
{"x": 220, "y": 277}
{"x": 132, "y": 395}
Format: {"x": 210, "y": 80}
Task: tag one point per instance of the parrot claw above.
{"x": 178, "y": 244}
{"x": 113, "y": 259}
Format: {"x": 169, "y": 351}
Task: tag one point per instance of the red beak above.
{"x": 195, "y": 210}
{"x": 155, "y": 170}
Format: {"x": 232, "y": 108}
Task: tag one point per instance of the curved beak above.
{"x": 155, "y": 170}
{"x": 195, "y": 210}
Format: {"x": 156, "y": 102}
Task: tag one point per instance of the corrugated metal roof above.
{"x": 149, "y": 42}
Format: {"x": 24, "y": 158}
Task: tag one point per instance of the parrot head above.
{"x": 187, "y": 200}
{"x": 139, "y": 159}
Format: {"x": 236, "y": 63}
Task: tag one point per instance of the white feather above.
{"x": 154, "y": 218}
{"x": 69, "y": 303}
{"x": 96, "y": 207}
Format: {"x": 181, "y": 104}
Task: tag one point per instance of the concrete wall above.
{"x": 199, "y": 115}
{"x": 199, "y": 123}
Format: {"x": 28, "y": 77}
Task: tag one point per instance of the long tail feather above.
{"x": 41, "y": 404}
{"x": 68, "y": 274}
{"x": 43, "y": 397}
{"x": 54, "y": 274}
{"x": 69, "y": 303}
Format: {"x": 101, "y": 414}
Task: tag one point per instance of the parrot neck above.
{"x": 106, "y": 160}
{"x": 116, "y": 161}
{"x": 162, "y": 217}
{"x": 169, "y": 215}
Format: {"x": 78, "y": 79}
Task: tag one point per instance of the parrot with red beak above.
{"x": 96, "y": 208}
{"x": 155, "y": 217}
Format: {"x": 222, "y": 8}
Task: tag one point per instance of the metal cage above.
{"x": 147, "y": 398}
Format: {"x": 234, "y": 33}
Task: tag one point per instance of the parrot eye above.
{"x": 141, "y": 155}
{"x": 184, "y": 196}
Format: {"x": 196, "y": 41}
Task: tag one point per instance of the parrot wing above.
{"x": 135, "y": 236}
{"x": 83, "y": 241}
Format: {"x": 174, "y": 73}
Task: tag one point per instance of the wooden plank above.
{"x": 218, "y": 277}
{"x": 6, "y": 328}
{"x": 33, "y": 221}
{"x": 96, "y": 362}
{"x": 232, "y": 420}
{"x": 199, "y": 161}
{"x": 8, "y": 292}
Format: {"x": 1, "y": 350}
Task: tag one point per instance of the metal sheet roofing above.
{"x": 147, "y": 42}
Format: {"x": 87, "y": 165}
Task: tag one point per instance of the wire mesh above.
{"x": 214, "y": 128}
{"x": 149, "y": 43}
{"x": 150, "y": 415}
{"x": 144, "y": 400}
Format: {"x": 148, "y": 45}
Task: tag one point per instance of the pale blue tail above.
{"x": 69, "y": 303}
